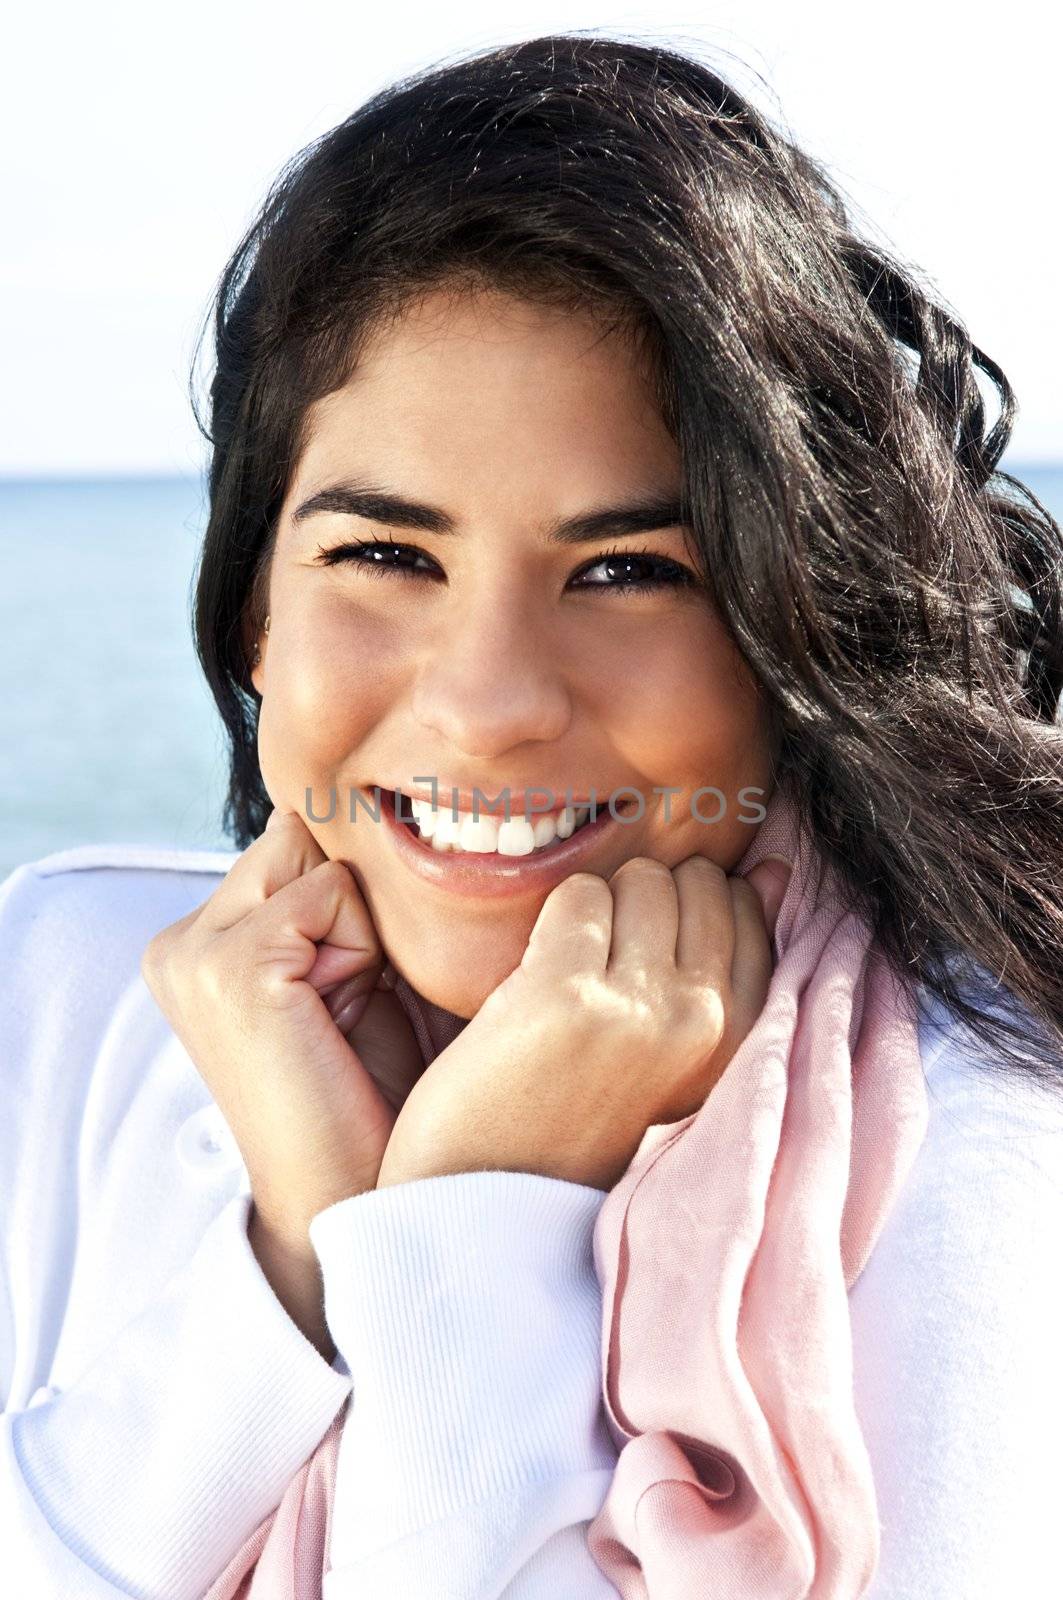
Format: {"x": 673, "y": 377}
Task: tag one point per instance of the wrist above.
{"x": 404, "y": 1169}
{"x": 390, "y": 1173}
{"x": 400, "y": 1162}
{"x": 293, "y": 1272}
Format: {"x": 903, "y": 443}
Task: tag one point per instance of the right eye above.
{"x": 379, "y": 563}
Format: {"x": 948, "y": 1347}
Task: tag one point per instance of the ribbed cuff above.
{"x": 535, "y": 1535}
{"x": 36, "y": 1559}
{"x": 157, "y": 1465}
{"x": 469, "y": 1314}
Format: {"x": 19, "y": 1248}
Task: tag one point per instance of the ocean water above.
{"x": 107, "y": 730}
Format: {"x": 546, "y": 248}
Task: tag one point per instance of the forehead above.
{"x": 496, "y": 384}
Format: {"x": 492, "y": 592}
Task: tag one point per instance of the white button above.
{"x": 41, "y": 1395}
{"x": 205, "y": 1142}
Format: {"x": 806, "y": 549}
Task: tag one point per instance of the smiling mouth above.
{"x": 491, "y": 834}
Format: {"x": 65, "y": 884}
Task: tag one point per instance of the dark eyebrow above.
{"x": 645, "y": 515}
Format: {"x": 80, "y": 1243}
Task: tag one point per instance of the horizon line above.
{"x": 171, "y": 475}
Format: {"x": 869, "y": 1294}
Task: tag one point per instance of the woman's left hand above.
{"x": 632, "y": 996}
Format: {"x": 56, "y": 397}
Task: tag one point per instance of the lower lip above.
{"x": 487, "y": 874}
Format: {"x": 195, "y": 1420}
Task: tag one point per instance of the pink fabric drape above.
{"x": 726, "y": 1254}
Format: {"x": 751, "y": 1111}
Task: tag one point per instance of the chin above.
{"x": 445, "y": 987}
{"x": 450, "y": 959}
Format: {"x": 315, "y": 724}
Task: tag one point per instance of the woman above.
{"x": 566, "y": 439}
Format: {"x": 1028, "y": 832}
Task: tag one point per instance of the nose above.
{"x": 495, "y": 680}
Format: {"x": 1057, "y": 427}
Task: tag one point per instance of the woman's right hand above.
{"x": 276, "y": 986}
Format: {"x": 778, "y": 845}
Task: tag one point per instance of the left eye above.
{"x": 659, "y": 571}
{"x": 381, "y": 558}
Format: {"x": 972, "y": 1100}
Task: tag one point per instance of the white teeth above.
{"x": 426, "y": 817}
{"x": 490, "y": 834}
{"x": 446, "y": 830}
{"x": 545, "y": 830}
{"x": 479, "y": 833}
{"x": 566, "y": 822}
{"x": 516, "y": 837}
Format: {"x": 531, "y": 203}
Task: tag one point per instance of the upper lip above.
{"x": 518, "y": 798}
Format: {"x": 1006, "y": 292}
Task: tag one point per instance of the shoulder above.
{"x": 81, "y": 917}
{"x": 956, "y": 1322}
{"x": 79, "y": 1027}
{"x": 109, "y": 878}
{"x": 981, "y": 1210}
{"x": 1009, "y": 1115}
{"x": 133, "y": 857}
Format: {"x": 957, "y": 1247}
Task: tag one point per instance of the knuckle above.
{"x": 169, "y": 971}
{"x": 748, "y": 904}
{"x": 258, "y": 987}
{"x": 580, "y": 880}
{"x": 645, "y": 864}
{"x": 215, "y": 980}
{"x": 159, "y": 957}
{"x": 334, "y": 871}
{"x": 212, "y": 974}
{"x": 703, "y": 865}
{"x": 703, "y": 1012}
{"x": 151, "y": 964}
{"x": 644, "y": 994}
{"x": 584, "y": 886}
{"x": 196, "y": 982}
{"x": 334, "y": 878}
{"x": 572, "y": 992}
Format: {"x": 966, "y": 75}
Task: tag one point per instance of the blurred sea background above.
{"x": 107, "y": 729}
{"x": 106, "y": 724}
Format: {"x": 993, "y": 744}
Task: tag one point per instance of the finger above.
{"x": 348, "y": 1003}
{"x": 645, "y": 917}
{"x": 284, "y": 851}
{"x": 572, "y": 930}
{"x": 770, "y": 878}
{"x": 316, "y": 928}
{"x": 705, "y": 944}
{"x": 340, "y": 994}
{"x": 751, "y": 967}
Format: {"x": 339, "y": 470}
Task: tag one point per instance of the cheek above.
{"x": 692, "y": 714}
{"x": 326, "y": 690}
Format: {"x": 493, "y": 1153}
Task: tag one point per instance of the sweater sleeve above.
{"x": 475, "y": 1449}
{"x": 957, "y": 1327}
{"x": 145, "y": 1477}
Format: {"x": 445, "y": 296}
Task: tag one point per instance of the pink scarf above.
{"x": 726, "y": 1340}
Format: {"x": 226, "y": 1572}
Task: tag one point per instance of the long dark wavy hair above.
{"x": 896, "y": 595}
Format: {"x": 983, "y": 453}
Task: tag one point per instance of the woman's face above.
{"x": 489, "y": 653}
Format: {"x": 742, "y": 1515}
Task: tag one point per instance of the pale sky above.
{"x": 136, "y": 141}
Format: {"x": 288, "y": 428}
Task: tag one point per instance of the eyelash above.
{"x": 669, "y": 574}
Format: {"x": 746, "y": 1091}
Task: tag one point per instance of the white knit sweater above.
{"x": 157, "y": 1397}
